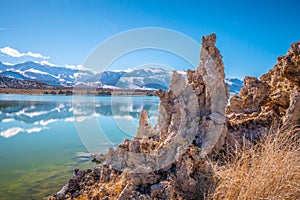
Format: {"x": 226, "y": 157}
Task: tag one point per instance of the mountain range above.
{"x": 142, "y": 78}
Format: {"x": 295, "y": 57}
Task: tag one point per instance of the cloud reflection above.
{"x": 16, "y": 116}
{"x": 11, "y": 132}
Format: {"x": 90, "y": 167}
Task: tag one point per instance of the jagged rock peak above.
{"x": 295, "y": 48}
{"x": 209, "y": 44}
{"x": 209, "y": 40}
{"x": 210, "y": 55}
{"x": 166, "y": 161}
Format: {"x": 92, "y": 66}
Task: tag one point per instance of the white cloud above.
{"x": 7, "y": 63}
{"x": 79, "y": 67}
{"x": 70, "y": 119}
{"x": 11, "y": 132}
{"x": 32, "y": 114}
{"x": 15, "y": 53}
{"x": 7, "y": 120}
{"x": 83, "y": 118}
{"x": 46, "y": 122}
{"x": 126, "y": 117}
{"x": 15, "y": 130}
{"x": 11, "y": 52}
{"x": 36, "y": 55}
{"x": 35, "y": 130}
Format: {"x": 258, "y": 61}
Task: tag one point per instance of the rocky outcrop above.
{"x": 269, "y": 104}
{"x": 166, "y": 161}
{"x": 169, "y": 160}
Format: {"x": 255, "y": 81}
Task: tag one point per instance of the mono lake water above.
{"x": 44, "y": 138}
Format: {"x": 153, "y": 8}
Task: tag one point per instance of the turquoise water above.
{"x": 44, "y": 138}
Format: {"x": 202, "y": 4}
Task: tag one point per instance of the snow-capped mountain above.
{"x": 152, "y": 78}
{"x": 56, "y": 76}
{"x": 234, "y": 84}
{"x": 142, "y": 78}
{"x": 7, "y": 82}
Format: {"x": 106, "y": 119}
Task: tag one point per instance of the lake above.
{"x": 44, "y": 138}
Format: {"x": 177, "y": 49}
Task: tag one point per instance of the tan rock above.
{"x": 168, "y": 160}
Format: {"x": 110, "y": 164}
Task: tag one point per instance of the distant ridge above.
{"x": 152, "y": 78}
{"x": 6, "y": 82}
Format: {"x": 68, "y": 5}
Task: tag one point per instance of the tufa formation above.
{"x": 195, "y": 124}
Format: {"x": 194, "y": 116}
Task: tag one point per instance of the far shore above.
{"x": 76, "y": 91}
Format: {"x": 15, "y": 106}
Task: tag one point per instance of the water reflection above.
{"x": 33, "y": 116}
{"x": 40, "y": 141}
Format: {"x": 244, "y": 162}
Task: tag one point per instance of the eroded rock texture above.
{"x": 269, "y": 104}
{"x": 168, "y": 161}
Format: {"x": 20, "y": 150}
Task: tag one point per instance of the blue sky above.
{"x": 250, "y": 34}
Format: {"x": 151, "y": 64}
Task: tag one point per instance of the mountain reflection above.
{"x": 15, "y": 116}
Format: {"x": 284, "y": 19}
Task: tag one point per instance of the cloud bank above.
{"x": 16, "y": 54}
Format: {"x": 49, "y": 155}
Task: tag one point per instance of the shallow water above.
{"x": 44, "y": 138}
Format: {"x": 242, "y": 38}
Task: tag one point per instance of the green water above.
{"x": 39, "y": 141}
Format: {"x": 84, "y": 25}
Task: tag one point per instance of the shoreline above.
{"x": 77, "y": 91}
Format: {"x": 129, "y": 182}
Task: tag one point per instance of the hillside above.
{"x": 6, "y": 82}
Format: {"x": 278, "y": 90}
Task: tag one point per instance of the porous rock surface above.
{"x": 269, "y": 104}
{"x": 168, "y": 161}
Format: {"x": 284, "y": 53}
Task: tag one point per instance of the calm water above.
{"x": 43, "y": 138}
